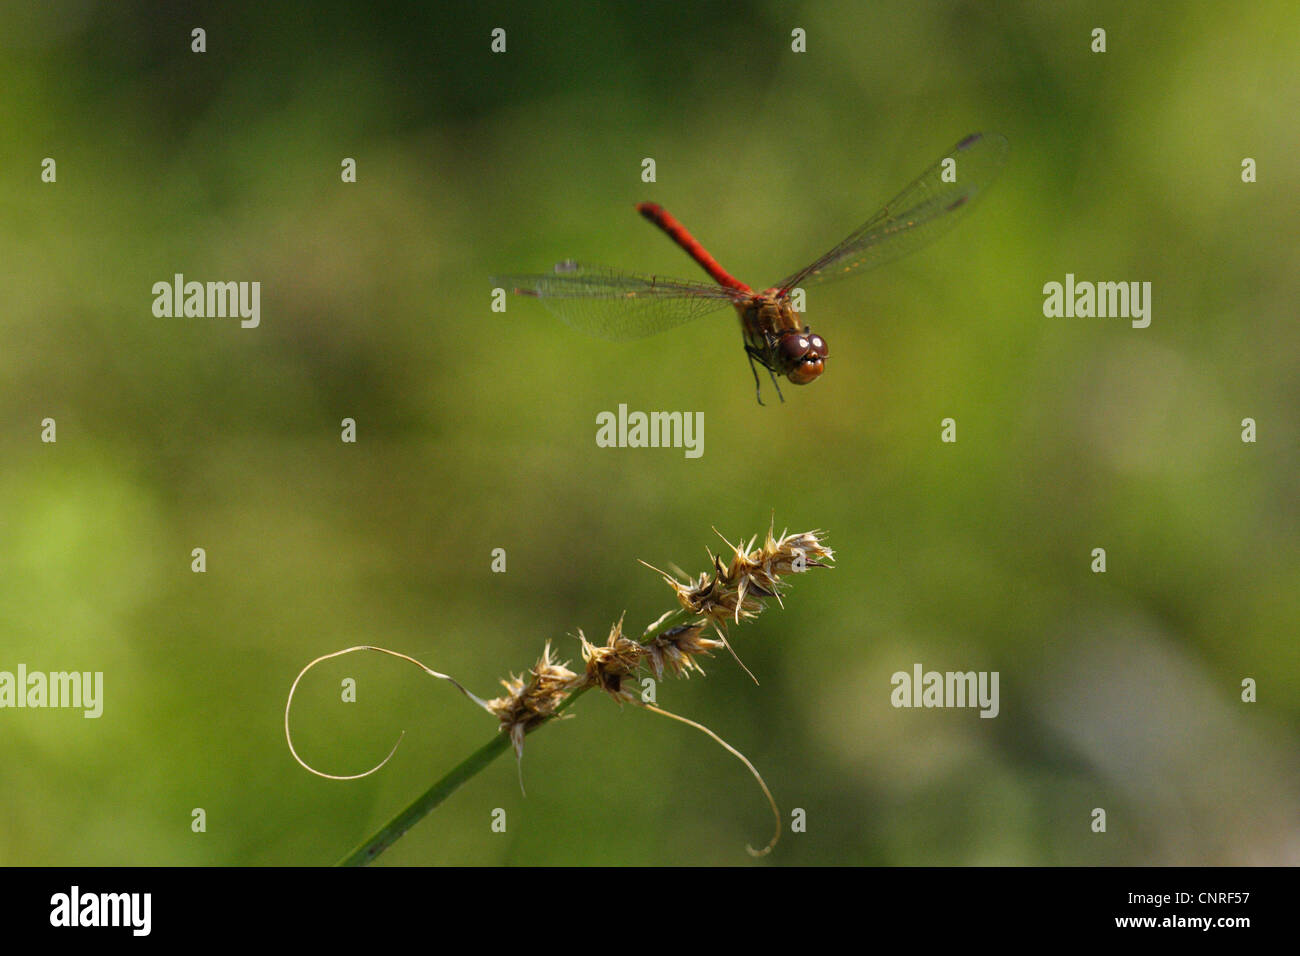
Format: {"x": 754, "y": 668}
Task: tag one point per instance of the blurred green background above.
{"x": 476, "y": 429}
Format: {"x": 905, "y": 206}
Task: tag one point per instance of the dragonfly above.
{"x": 619, "y": 306}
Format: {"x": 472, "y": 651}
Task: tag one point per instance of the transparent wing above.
{"x": 619, "y": 305}
{"x": 924, "y": 210}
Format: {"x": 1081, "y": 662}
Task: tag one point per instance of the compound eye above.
{"x": 794, "y": 346}
{"x": 817, "y": 345}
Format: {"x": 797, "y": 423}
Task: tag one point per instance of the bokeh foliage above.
{"x": 477, "y": 428}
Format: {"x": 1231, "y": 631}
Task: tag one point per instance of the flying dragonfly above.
{"x": 619, "y": 305}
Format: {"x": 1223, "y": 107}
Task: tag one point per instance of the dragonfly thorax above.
{"x": 775, "y": 335}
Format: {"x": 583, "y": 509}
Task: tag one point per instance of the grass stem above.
{"x": 391, "y": 831}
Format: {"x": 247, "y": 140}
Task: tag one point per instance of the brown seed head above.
{"x": 759, "y": 571}
{"x": 677, "y": 648}
{"x": 527, "y": 704}
{"x": 796, "y": 552}
{"x": 712, "y": 596}
{"x": 609, "y": 667}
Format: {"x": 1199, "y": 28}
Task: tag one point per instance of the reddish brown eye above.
{"x": 817, "y": 345}
{"x": 793, "y": 347}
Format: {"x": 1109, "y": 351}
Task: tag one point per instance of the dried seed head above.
{"x": 527, "y": 704}
{"x": 796, "y": 552}
{"x": 609, "y": 667}
{"x": 712, "y": 596}
{"x": 677, "y": 648}
{"x": 735, "y": 591}
{"x": 759, "y": 571}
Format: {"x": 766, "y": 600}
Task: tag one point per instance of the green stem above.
{"x": 392, "y": 831}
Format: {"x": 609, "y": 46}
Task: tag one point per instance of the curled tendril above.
{"x": 771, "y": 802}
{"x": 360, "y": 647}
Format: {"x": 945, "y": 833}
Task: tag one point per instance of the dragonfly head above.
{"x": 802, "y": 355}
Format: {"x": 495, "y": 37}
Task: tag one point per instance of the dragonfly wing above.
{"x": 618, "y": 305}
{"x": 927, "y": 208}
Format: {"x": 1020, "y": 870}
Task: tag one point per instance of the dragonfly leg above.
{"x": 756, "y": 355}
{"x": 758, "y": 386}
{"x": 776, "y": 385}
{"x": 772, "y": 343}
